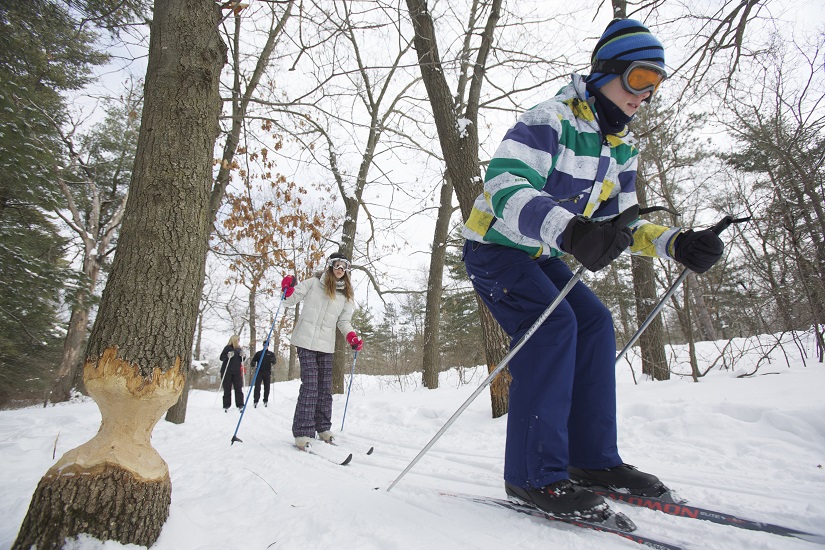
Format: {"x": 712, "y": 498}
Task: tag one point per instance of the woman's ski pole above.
{"x": 349, "y": 387}
{"x": 263, "y": 353}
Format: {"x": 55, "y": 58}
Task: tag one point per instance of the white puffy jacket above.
{"x": 315, "y": 329}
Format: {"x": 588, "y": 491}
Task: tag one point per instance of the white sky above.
{"x": 404, "y": 250}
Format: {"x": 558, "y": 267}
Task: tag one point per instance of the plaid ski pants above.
{"x": 313, "y": 412}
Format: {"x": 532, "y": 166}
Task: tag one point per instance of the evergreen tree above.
{"x": 42, "y": 53}
{"x": 461, "y": 339}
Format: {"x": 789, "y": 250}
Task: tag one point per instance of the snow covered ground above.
{"x": 750, "y": 446}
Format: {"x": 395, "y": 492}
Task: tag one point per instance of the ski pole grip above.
{"x": 725, "y": 222}
{"x": 627, "y": 217}
{"x": 722, "y": 224}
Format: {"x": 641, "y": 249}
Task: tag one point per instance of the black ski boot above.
{"x": 623, "y": 478}
{"x": 561, "y": 498}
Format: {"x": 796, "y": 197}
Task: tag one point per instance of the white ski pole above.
{"x": 503, "y": 363}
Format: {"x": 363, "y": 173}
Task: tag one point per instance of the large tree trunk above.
{"x": 432, "y": 314}
{"x": 140, "y": 345}
{"x": 460, "y": 151}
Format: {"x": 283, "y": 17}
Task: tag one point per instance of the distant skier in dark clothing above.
{"x": 264, "y": 374}
{"x": 232, "y": 361}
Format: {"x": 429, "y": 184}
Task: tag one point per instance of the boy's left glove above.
{"x": 699, "y": 250}
{"x": 355, "y": 342}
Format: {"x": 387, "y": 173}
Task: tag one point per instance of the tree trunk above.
{"x": 698, "y": 303}
{"x": 694, "y": 365}
{"x": 651, "y": 342}
{"x": 460, "y": 151}
{"x": 253, "y": 332}
{"x": 199, "y": 337}
{"x": 432, "y": 314}
{"x": 177, "y": 412}
{"x": 339, "y": 361}
{"x": 71, "y": 360}
{"x": 72, "y": 353}
{"x": 61, "y": 504}
{"x": 624, "y": 314}
{"x": 495, "y": 338}
{"x": 140, "y": 346}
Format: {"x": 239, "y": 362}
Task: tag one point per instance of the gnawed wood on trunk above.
{"x": 117, "y": 467}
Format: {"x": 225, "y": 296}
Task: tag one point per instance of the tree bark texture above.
{"x": 432, "y": 313}
{"x": 177, "y": 412}
{"x": 460, "y": 150}
{"x": 495, "y": 338}
{"x": 695, "y": 288}
{"x": 341, "y": 360}
{"x": 651, "y": 342}
{"x": 72, "y": 352}
{"x": 140, "y": 345}
{"x": 64, "y": 506}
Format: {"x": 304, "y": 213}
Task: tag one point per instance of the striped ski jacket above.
{"x": 553, "y": 165}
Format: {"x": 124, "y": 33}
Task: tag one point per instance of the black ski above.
{"x": 535, "y": 512}
{"x": 335, "y": 443}
{"x": 684, "y": 510}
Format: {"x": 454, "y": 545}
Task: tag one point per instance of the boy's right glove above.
{"x": 288, "y": 286}
{"x": 595, "y": 244}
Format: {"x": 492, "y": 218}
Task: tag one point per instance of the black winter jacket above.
{"x": 266, "y": 364}
{"x": 232, "y": 356}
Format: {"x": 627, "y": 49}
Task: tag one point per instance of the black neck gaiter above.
{"x": 611, "y": 118}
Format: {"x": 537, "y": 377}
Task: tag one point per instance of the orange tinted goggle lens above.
{"x": 642, "y": 79}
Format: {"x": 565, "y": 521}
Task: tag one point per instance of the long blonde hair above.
{"x": 235, "y": 341}
{"x": 331, "y": 285}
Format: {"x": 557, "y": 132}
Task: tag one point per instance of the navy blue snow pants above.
{"x": 563, "y": 393}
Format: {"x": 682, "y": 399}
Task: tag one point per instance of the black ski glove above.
{"x": 595, "y": 244}
{"x": 699, "y": 250}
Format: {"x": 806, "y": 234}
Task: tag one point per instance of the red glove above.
{"x": 288, "y": 286}
{"x": 355, "y": 342}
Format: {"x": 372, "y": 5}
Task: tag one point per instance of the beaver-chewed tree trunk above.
{"x": 116, "y": 486}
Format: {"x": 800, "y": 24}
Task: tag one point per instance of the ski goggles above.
{"x": 339, "y": 263}
{"x": 638, "y": 77}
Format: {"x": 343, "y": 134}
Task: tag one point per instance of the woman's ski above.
{"x": 328, "y": 452}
